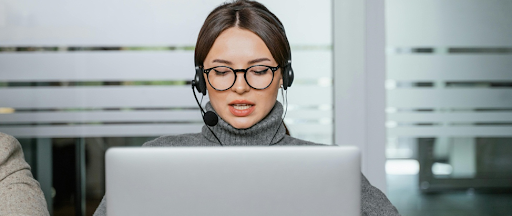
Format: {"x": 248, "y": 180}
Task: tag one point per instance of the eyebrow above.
{"x": 250, "y": 62}
{"x": 221, "y": 61}
{"x": 258, "y": 60}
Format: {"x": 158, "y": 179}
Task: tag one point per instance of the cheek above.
{"x": 215, "y": 97}
{"x": 269, "y": 96}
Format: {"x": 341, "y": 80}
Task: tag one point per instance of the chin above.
{"x": 241, "y": 124}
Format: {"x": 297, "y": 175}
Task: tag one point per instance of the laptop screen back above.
{"x": 309, "y": 180}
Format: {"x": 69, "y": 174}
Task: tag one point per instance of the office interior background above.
{"x": 423, "y": 88}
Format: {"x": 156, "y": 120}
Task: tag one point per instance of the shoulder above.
{"x": 16, "y": 181}
{"x": 190, "y": 139}
{"x": 373, "y": 201}
{"x": 8, "y": 145}
{"x": 288, "y": 140}
{"x": 11, "y": 155}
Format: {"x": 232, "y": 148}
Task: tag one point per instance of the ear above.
{"x": 281, "y": 81}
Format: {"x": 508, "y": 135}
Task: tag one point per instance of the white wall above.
{"x": 359, "y": 67}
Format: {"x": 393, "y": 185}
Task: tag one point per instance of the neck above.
{"x": 268, "y": 131}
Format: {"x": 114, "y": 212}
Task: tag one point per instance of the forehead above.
{"x": 238, "y": 46}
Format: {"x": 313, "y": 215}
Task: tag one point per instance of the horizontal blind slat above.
{"x": 428, "y": 131}
{"x": 306, "y": 95}
{"x": 132, "y": 97}
{"x": 98, "y": 97}
{"x": 139, "y": 130}
{"x": 96, "y": 66}
{"x": 451, "y": 117}
{"x": 301, "y": 129}
{"x": 131, "y": 65}
{"x": 449, "y": 67}
{"x": 312, "y": 64}
{"x": 427, "y": 23}
{"x": 139, "y": 22}
{"x": 135, "y": 116}
{"x": 450, "y": 98}
{"x": 102, "y": 130}
{"x": 102, "y": 116}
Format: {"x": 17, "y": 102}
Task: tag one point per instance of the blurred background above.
{"x": 423, "y": 88}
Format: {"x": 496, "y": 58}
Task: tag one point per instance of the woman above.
{"x": 242, "y": 58}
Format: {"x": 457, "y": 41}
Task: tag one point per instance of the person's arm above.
{"x": 20, "y": 193}
{"x": 374, "y": 202}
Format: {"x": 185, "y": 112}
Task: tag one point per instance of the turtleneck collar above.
{"x": 259, "y": 134}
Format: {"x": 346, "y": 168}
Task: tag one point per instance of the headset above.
{"x": 199, "y": 83}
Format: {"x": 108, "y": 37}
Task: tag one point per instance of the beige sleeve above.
{"x": 20, "y": 193}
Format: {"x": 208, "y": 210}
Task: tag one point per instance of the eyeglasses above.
{"x": 222, "y": 78}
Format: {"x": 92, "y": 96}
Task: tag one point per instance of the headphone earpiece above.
{"x": 199, "y": 81}
{"x": 288, "y": 75}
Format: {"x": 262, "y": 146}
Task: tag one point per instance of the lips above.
{"x": 241, "y": 108}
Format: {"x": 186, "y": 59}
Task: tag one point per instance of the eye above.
{"x": 259, "y": 70}
{"x": 221, "y": 71}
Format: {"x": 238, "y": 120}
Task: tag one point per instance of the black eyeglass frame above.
{"x": 273, "y": 69}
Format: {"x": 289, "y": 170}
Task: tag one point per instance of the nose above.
{"x": 240, "y": 85}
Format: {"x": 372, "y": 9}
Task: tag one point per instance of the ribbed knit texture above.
{"x": 258, "y": 134}
{"x": 373, "y": 201}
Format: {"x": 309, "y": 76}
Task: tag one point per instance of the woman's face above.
{"x": 241, "y": 106}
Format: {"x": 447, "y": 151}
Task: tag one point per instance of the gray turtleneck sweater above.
{"x": 268, "y": 132}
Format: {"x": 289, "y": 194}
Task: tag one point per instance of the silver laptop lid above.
{"x": 298, "y": 180}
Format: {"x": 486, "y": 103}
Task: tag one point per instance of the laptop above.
{"x": 228, "y": 181}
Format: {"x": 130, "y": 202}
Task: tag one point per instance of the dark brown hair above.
{"x": 249, "y": 15}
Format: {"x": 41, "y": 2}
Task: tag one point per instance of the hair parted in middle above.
{"x": 248, "y": 15}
